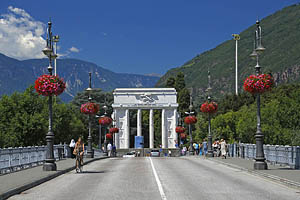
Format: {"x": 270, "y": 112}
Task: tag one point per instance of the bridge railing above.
{"x": 275, "y": 154}
{"x": 13, "y": 159}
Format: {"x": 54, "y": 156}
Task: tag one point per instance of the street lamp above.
{"x": 190, "y": 126}
{"x": 55, "y": 40}
{"x": 49, "y": 164}
{"x": 260, "y": 161}
{"x": 236, "y": 37}
{"x": 90, "y": 152}
{"x": 105, "y": 141}
{"x": 210, "y": 152}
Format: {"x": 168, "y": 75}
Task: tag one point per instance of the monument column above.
{"x": 139, "y": 122}
{"x": 127, "y": 130}
{"x": 164, "y": 136}
{"x": 151, "y": 130}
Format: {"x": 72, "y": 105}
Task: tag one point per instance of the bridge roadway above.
{"x": 159, "y": 178}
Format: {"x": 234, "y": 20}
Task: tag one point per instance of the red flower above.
{"x": 190, "y": 120}
{"x": 109, "y": 136}
{"x": 182, "y": 135}
{"x": 49, "y": 85}
{"x": 89, "y": 108}
{"x": 258, "y": 84}
{"x": 211, "y": 107}
{"x": 180, "y": 129}
{"x": 105, "y": 121}
{"x": 114, "y": 130}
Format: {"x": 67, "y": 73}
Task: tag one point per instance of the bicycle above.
{"x": 79, "y": 167}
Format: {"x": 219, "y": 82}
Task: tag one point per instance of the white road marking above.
{"x": 160, "y": 188}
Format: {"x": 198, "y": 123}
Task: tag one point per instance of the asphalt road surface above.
{"x": 158, "y": 178}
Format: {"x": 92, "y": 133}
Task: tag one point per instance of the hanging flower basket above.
{"x": 180, "y": 129}
{"x": 258, "y": 84}
{"x": 207, "y": 107}
{"x": 109, "y": 136}
{"x": 49, "y": 85}
{"x": 89, "y": 108}
{"x": 105, "y": 121}
{"x": 190, "y": 120}
{"x": 114, "y": 130}
{"x": 182, "y": 135}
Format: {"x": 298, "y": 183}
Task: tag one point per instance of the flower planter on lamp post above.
{"x": 49, "y": 85}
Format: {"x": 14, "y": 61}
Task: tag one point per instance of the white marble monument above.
{"x": 164, "y": 99}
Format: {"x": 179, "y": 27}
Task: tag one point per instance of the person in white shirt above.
{"x": 109, "y": 149}
{"x": 72, "y": 146}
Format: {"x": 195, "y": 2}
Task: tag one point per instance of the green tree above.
{"x": 171, "y": 82}
{"x": 179, "y": 82}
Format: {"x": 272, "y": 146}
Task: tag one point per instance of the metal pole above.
{"x": 260, "y": 161}
{"x": 49, "y": 164}
{"x": 90, "y": 153}
{"x": 100, "y": 137}
{"x": 236, "y": 67}
{"x": 210, "y": 152}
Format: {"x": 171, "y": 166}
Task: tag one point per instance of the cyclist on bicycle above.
{"x": 79, "y": 151}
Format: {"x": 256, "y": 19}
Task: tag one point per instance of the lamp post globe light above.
{"x": 90, "y": 152}
{"x": 260, "y": 161}
{"x": 49, "y": 164}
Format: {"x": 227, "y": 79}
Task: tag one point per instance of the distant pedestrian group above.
{"x": 219, "y": 148}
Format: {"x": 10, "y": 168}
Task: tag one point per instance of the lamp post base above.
{"x": 49, "y": 167}
{"x": 260, "y": 165}
{"x": 90, "y": 154}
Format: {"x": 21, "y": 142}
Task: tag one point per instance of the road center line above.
{"x": 160, "y": 188}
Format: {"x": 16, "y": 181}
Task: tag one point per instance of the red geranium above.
{"x": 180, "y": 129}
{"x": 258, "y": 84}
{"x": 182, "y": 135}
{"x": 114, "y": 130}
{"x": 105, "y": 121}
{"x": 207, "y": 107}
{"x": 89, "y": 108}
{"x": 49, "y": 85}
{"x": 109, "y": 136}
{"x": 190, "y": 120}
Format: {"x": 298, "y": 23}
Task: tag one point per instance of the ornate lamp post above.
{"x": 210, "y": 152}
{"x": 49, "y": 164}
{"x": 105, "y": 139}
{"x": 190, "y": 113}
{"x": 90, "y": 152}
{"x": 260, "y": 161}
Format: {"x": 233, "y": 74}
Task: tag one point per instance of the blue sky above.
{"x": 132, "y": 36}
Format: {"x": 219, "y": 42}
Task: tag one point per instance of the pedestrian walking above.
{"x": 223, "y": 148}
{"x": 72, "y": 146}
{"x": 109, "y": 149}
{"x": 204, "y": 144}
{"x": 184, "y": 150}
{"x": 197, "y": 148}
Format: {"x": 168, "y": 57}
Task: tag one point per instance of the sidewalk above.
{"x": 280, "y": 174}
{"x": 17, "y": 182}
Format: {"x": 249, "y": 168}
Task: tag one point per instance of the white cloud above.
{"x": 74, "y": 50}
{"x": 21, "y": 35}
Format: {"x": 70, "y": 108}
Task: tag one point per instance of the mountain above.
{"x": 17, "y": 75}
{"x": 281, "y": 38}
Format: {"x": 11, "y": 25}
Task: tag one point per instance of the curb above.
{"x": 35, "y": 183}
{"x": 277, "y": 179}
